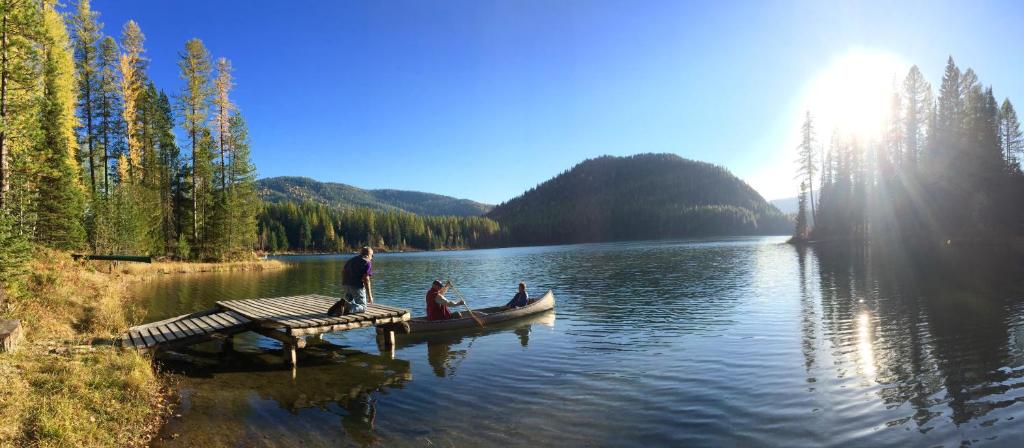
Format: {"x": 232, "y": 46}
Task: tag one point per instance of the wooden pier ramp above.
{"x": 286, "y": 319}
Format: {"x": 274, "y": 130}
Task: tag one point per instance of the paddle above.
{"x": 466, "y": 304}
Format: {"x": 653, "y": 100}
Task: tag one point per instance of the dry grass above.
{"x": 168, "y": 267}
{"x": 66, "y": 385}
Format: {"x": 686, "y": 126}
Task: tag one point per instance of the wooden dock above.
{"x": 286, "y": 319}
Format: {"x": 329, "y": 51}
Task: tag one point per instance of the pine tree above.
{"x": 86, "y": 44}
{"x": 243, "y": 201}
{"x": 806, "y": 167}
{"x": 170, "y": 175}
{"x": 20, "y": 23}
{"x": 916, "y": 102}
{"x": 223, "y": 107}
{"x": 129, "y": 65}
{"x": 801, "y": 214}
{"x": 1011, "y": 139}
{"x": 194, "y": 64}
{"x": 895, "y": 151}
{"x": 108, "y": 109}
{"x": 14, "y": 251}
{"x": 948, "y": 120}
{"x": 205, "y": 245}
{"x": 59, "y": 205}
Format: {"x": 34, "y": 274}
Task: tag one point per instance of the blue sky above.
{"x": 485, "y": 99}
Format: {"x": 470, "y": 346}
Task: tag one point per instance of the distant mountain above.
{"x": 304, "y": 189}
{"x": 786, "y": 205}
{"x": 645, "y": 196}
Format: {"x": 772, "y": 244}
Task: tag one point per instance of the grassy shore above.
{"x": 145, "y": 270}
{"x": 67, "y": 384}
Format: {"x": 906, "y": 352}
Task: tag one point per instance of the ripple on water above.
{"x": 741, "y": 341}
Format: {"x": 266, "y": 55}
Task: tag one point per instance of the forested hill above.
{"x": 304, "y": 189}
{"x": 645, "y": 196}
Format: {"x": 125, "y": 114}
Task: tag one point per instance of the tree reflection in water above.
{"x": 933, "y": 333}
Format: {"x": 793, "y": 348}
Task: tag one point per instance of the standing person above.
{"x": 521, "y": 298}
{"x": 437, "y": 305}
{"x": 355, "y": 279}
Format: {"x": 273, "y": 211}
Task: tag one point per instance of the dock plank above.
{"x": 243, "y": 309}
{"x": 268, "y": 312}
{"x": 331, "y": 320}
{"x": 221, "y": 320}
{"x": 296, "y": 313}
{"x": 181, "y": 328}
{"x": 147, "y": 340}
{"x": 294, "y": 316}
{"x": 155, "y": 334}
{"x": 307, "y": 312}
{"x": 160, "y": 333}
{"x": 191, "y": 323}
{"x": 172, "y": 332}
{"x": 212, "y": 324}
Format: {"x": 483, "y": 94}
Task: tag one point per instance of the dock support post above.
{"x": 290, "y": 354}
{"x": 386, "y": 341}
{"x": 226, "y": 342}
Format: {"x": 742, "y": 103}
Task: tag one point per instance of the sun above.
{"x": 853, "y": 94}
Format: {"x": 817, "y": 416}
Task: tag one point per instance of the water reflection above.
{"x": 741, "y": 342}
{"x": 445, "y": 360}
{"x": 929, "y": 336}
{"x": 864, "y": 346}
{"x": 228, "y": 408}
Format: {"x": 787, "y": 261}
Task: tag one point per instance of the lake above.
{"x": 725, "y": 342}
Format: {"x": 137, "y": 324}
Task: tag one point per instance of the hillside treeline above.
{"x": 89, "y": 160}
{"x": 947, "y": 167}
{"x": 646, "y": 196}
{"x": 312, "y": 227}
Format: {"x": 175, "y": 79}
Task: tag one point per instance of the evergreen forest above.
{"x": 945, "y": 169}
{"x": 89, "y": 155}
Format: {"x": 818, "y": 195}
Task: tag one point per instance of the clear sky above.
{"x": 485, "y": 99}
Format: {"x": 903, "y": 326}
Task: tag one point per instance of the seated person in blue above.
{"x": 521, "y": 298}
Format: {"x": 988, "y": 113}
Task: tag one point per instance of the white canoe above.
{"x": 486, "y": 315}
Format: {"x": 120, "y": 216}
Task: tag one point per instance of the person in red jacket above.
{"x": 437, "y": 304}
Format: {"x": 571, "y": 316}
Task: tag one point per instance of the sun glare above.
{"x": 853, "y": 94}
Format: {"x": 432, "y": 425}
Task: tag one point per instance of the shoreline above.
{"x": 655, "y": 240}
{"x": 145, "y": 271}
{"x": 73, "y": 312}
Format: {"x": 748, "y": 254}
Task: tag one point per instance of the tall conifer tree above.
{"x": 194, "y": 64}
{"x": 916, "y": 99}
{"x": 1010, "y": 136}
{"x": 108, "y": 109}
{"x": 86, "y": 49}
{"x": 806, "y": 164}
{"x": 60, "y": 202}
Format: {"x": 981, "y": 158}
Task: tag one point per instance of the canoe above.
{"x": 490, "y": 315}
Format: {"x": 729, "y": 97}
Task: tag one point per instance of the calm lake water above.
{"x": 733, "y": 342}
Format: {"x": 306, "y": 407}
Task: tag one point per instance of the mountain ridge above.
{"x": 643, "y": 196}
{"x": 281, "y": 189}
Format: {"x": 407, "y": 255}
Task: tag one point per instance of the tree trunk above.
{"x": 106, "y": 146}
{"x": 195, "y": 187}
{"x": 810, "y": 188}
{"x": 88, "y": 127}
{"x": 5, "y": 181}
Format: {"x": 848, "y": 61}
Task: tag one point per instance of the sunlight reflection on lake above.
{"x": 741, "y": 341}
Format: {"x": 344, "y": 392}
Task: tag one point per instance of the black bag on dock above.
{"x": 338, "y": 309}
